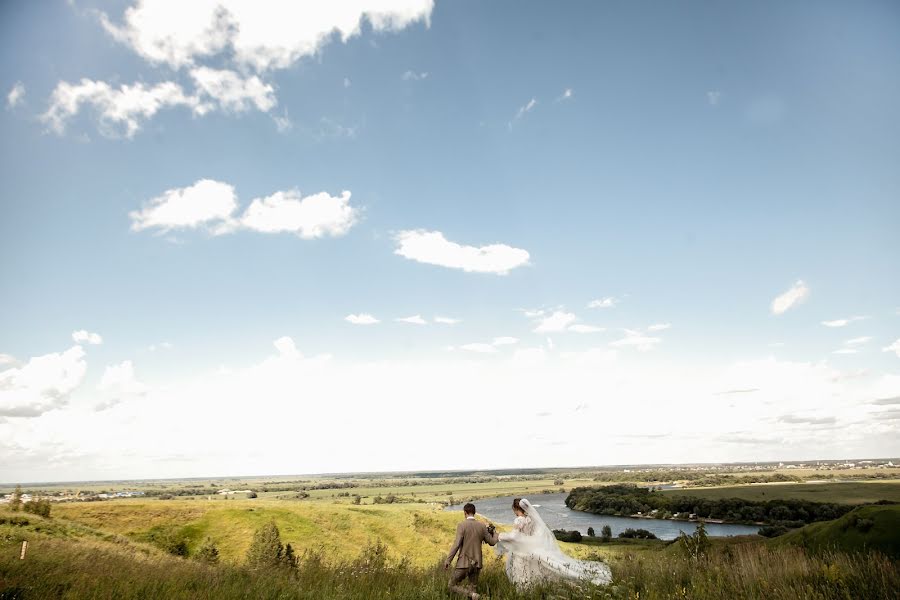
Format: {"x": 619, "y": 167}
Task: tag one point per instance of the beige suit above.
{"x": 470, "y": 534}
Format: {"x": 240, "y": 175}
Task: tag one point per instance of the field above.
{"x": 117, "y": 548}
{"x": 855, "y": 492}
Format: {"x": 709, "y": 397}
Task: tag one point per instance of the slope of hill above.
{"x": 866, "y": 528}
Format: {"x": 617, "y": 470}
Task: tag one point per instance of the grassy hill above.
{"x": 851, "y": 492}
{"x": 863, "y": 529}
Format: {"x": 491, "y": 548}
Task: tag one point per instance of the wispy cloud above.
{"x": 505, "y": 341}
{"x": 414, "y": 76}
{"x": 556, "y": 321}
{"x": 638, "y": 340}
{"x": 523, "y": 110}
{"x": 583, "y": 328}
{"x": 607, "y": 302}
{"x": 713, "y": 97}
{"x": 792, "y": 297}
{"x": 566, "y": 95}
{"x": 414, "y": 319}
{"x": 361, "y": 319}
{"x": 659, "y": 327}
{"x": 446, "y": 320}
{"x": 895, "y": 348}
{"x": 16, "y": 95}
{"x": 843, "y": 322}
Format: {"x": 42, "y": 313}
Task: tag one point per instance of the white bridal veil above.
{"x": 536, "y": 555}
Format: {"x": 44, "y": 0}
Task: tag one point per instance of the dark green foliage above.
{"x": 289, "y": 559}
{"x": 38, "y": 507}
{"x": 606, "y": 533}
{"x": 627, "y": 500}
{"x": 866, "y": 529}
{"x": 696, "y": 545}
{"x": 640, "y": 534}
{"x": 590, "y": 532}
{"x": 208, "y": 552}
{"x": 567, "y": 536}
{"x": 771, "y": 531}
{"x": 266, "y": 550}
{"x": 15, "y": 503}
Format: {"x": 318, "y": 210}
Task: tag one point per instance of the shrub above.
{"x": 641, "y": 534}
{"x": 696, "y": 545}
{"x": 37, "y": 507}
{"x": 266, "y": 550}
{"x": 208, "y": 552}
{"x": 771, "y": 531}
{"x": 606, "y": 533}
{"x": 567, "y": 536}
{"x": 590, "y": 532}
{"x": 252, "y": 495}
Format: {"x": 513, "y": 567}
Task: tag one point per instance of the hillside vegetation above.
{"x": 864, "y": 529}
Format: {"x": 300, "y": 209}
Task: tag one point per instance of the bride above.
{"x": 534, "y": 556}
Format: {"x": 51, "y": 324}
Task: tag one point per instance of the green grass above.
{"x": 852, "y": 532}
{"x": 856, "y": 492}
{"x": 75, "y": 563}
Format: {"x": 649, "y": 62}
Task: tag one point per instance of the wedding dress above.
{"x": 534, "y": 556}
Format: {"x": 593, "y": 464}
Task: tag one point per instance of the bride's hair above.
{"x": 517, "y": 506}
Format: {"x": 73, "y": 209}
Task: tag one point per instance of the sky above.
{"x": 246, "y": 238}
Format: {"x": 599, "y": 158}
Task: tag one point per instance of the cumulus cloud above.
{"x": 361, "y": 319}
{"x": 43, "y": 384}
{"x": 121, "y": 111}
{"x": 446, "y": 320}
{"x": 607, "y": 302}
{"x": 119, "y": 384}
{"x": 842, "y": 322}
{"x": 16, "y": 95}
{"x": 309, "y": 217}
{"x": 211, "y": 205}
{"x": 558, "y": 320}
{"x": 233, "y": 92}
{"x": 637, "y": 340}
{"x": 206, "y": 204}
{"x": 792, "y": 297}
{"x": 260, "y": 35}
{"x": 431, "y": 247}
{"x": 415, "y": 320}
{"x": 895, "y": 348}
{"x": 82, "y": 336}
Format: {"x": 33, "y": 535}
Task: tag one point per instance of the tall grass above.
{"x": 86, "y": 567}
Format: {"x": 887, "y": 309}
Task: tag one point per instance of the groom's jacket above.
{"x": 470, "y": 534}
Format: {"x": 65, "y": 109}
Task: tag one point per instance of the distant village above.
{"x": 70, "y": 496}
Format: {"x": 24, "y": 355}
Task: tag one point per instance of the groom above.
{"x": 470, "y": 534}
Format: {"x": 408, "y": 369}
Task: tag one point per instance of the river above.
{"x": 557, "y": 515}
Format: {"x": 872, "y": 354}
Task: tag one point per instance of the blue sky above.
{"x": 691, "y": 161}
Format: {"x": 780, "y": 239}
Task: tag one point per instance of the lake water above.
{"x": 557, "y": 515}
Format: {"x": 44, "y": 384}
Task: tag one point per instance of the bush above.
{"x": 567, "y": 536}
{"x": 590, "y": 532}
{"x": 252, "y": 495}
{"x": 266, "y": 550}
{"x": 771, "y": 531}
{"x": 208, "y": 552}
{"x": 37, "y": 507}
{"x": 640, "y": 534}
{"x": 606, "y": 533}
{"x": 696, "y": 545}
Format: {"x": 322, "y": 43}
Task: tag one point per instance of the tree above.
{"x": 266, "y": 550}
{"x": 15, "y": 503}
{"x": 208, "y": 552}
{"x": 590, "y": 532}
{"x": 38, "y": 507}
{"x": 606, "y": 533}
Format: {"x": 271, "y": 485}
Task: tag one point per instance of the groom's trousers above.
{"x": 471, "y": 573}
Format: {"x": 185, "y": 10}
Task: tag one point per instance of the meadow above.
{"x": 353, "y": 547}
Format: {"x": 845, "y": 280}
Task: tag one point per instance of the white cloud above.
{"x": 637, "y": 340}
{"x": 119, "y": 384}
{"x": 842, "y": 322}
{"x": 83, "y": 336}
{"x": 607, "y": 302}
{"x": 283, "y": 123}
{"x": 431, "y": 247}
{"x": 233, "y": 92}
{"x": 413, "y": 76}
{"x": 160, "y": 346}
{"x": 121, "y": 111}
{"x": 207, "y": 203}
{"x": 859, "y": 340}
{"x": 895, "y": 348}
{"x": 559, "y": 320}
{"x": 16, "y": 95}
{"x": 42, "y": 384}
{"x": 659, "y": 327}
{"x": 260, "y": 35}
{"x": 211, "y": 205}
{"x": 795, "y": 295}
{"x": 8, "y": 359}
{"x": 415, "y": 320}
{"x": 361, "y": 319}
{"x": 446, "y": 320}
{"x": 526, "y": 108}
{"x": 480, "y": 348}
{"x": 504, "y": 341}
{"x": 309, "y": 217}
{"x": 582, "y": 328}
{"x": 566, "y": 95}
